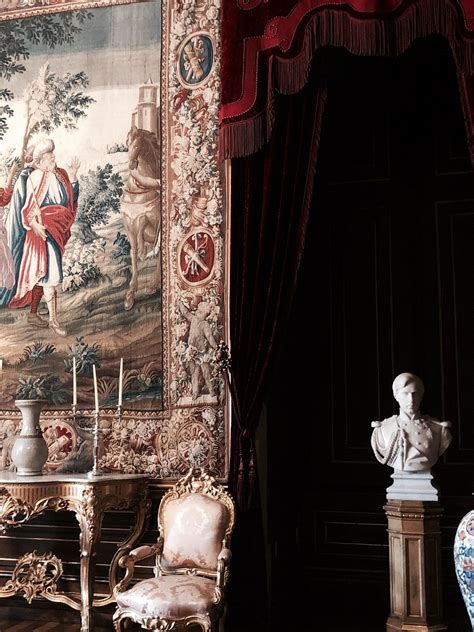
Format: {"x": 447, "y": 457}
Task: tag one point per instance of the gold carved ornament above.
{"x": 14, "y": 511}
{"x": 34, "y": 575}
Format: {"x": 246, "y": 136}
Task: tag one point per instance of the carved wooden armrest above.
{"x": 225, "y": 555}
{"x": 142, "y": 552}
{"x": 223, "y": 563}
{"x": 129, "y": 560}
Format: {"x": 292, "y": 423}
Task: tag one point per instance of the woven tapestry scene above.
{"x": 80, "y": 216}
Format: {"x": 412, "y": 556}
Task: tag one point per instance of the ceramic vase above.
{"x": 464, "y": 561}
{"x": 30, "y": 451}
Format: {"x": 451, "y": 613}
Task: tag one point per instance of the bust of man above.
{"x": 409, "y": 441}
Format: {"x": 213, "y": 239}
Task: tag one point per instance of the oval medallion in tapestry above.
{"x": 195, "y": 444}
{"x": 196, "y": 257}
{"x": 195, "y": 59}
{"x": 61, "y": 439}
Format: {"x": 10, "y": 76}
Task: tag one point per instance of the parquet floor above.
{"x": 43, "y": 626}
{"x": 40, "y": 626}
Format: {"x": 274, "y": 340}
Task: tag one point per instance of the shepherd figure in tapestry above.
{"x": 141, "y": 206}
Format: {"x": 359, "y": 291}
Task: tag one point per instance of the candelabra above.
{"x": 95, "y": 449}
{"x": 96, "y": 416}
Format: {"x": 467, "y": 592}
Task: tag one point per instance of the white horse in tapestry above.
{"x": 140, "y": 206}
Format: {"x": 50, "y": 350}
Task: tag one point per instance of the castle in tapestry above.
{"x": 147, "y": 113}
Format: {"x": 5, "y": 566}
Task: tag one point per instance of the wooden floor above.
{"x": 9, "y": 625}
{"x": 39, "y": 626}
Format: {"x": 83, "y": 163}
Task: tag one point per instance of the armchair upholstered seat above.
{"x": 192, "y": 559}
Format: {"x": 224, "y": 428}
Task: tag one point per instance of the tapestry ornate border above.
{"x": 17, "y": 9}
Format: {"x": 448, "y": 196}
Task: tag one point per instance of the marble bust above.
{"x": 410, "y": 442}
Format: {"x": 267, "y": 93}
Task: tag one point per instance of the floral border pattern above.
{"x": 17, "y": 9}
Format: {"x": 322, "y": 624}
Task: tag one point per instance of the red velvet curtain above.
{"x": 271, "y": 195}
{"x": 267, "y": 47}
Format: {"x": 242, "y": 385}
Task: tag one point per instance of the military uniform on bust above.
{"x": 410, "y": 445}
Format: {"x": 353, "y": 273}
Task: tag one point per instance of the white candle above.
{"x": 96, "y": 393}
{"x": 74, "y": 382}
{"x": 120, "y": 389}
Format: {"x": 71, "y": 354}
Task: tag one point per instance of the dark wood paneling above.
{"x": 361, "y": 239}
{"x": 455, "y": 237}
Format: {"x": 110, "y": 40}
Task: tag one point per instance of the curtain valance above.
{"x": 268, "y": 45}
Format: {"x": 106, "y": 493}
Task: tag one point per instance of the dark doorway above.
{"x": 388, "y": 273}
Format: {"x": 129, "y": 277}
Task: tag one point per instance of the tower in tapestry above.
{"x": 147, "y": 113}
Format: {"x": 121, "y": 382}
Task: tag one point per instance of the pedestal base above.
{"x": 415, "y": 566}
{"x": 395, "y": 625}
{"x": 412, "y": 486}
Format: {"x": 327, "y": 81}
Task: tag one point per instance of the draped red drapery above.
{"x": 271, "y": 194}
{"x": 268, "y": 45}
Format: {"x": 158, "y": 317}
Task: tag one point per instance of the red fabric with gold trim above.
{"x": 267, "y": 46}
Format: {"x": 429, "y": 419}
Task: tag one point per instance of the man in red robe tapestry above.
{"x": 45, "y": 213}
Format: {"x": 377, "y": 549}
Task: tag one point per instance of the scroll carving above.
{"x": 35, "y": 575}
{"x": 15, "y": 511}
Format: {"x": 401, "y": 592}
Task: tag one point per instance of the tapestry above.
{"x": 80, "y": 266}
{"x": 113, "y": 235}
{"x": 15, "y": 9}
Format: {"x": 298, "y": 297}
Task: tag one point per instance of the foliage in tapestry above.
{"x": 47, "y": 387}
{"x": 50, "y": 92}
{"x": 101, "y": 190}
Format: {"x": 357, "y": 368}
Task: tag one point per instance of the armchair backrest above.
{"x": 196, "y": 518}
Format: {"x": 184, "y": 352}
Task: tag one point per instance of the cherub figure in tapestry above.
{"x": 141, "y": 207}
{"x": 8, "y": 438}
{"x": 201, "y": 343}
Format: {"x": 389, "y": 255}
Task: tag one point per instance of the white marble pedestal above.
{"x": 412, "y": 486}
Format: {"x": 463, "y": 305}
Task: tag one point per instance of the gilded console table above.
{"x": 25, "y": 497}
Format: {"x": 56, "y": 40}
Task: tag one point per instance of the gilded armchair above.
{"x": 192, "y": 558}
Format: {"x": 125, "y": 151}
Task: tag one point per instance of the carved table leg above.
{"x": 89, "y": 516}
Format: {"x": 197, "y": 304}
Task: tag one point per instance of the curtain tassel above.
{"x": 241, "y": 491}
{"x": 252, "y": 478}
